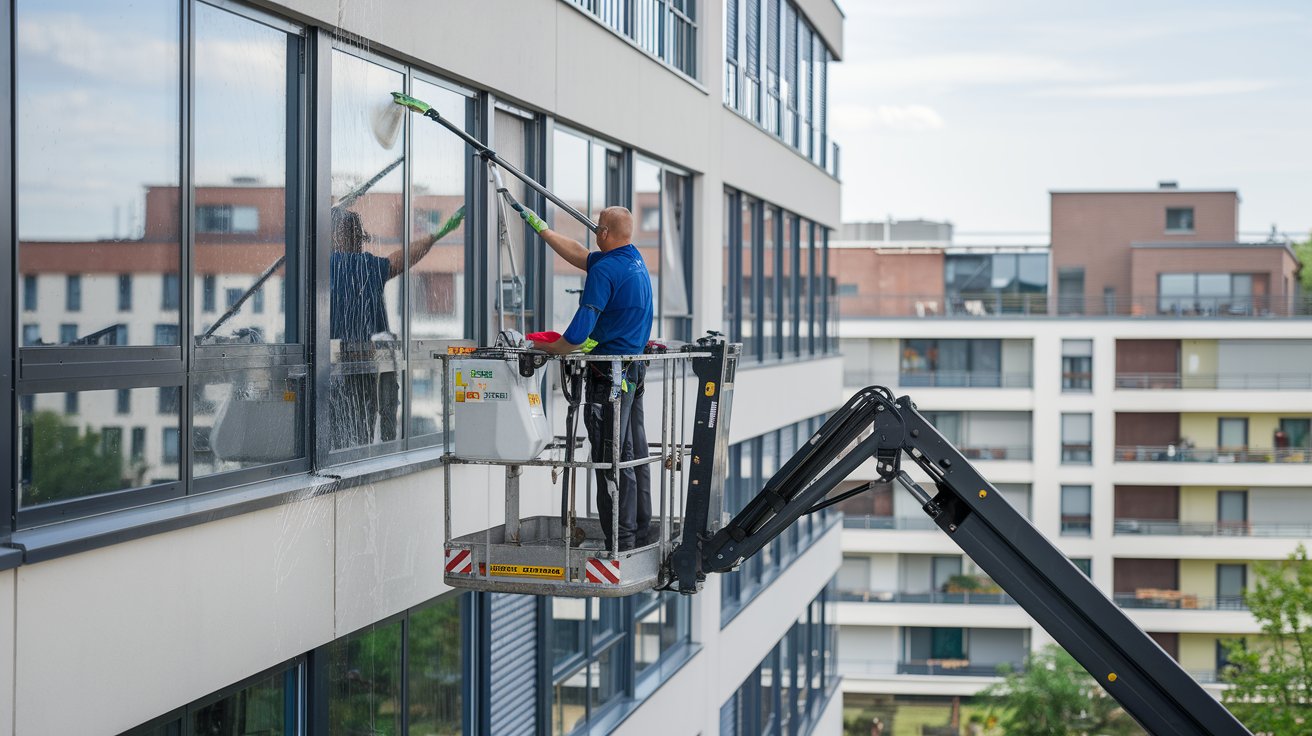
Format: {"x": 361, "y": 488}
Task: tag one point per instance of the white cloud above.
{"x": 1159, "y": 90}
{"x": 857, "y": 118}
{"x": 964, "y": 69}
{"x": 71, "y": 41}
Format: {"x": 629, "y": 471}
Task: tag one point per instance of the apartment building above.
{"x": 183, "y": 175}
{"x": 1139, "y": 390}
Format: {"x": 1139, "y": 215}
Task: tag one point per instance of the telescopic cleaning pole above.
{"x": 423, "y": 108}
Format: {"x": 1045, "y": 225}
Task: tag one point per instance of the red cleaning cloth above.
{"x": 543, "y": 336}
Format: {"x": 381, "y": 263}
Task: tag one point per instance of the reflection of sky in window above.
{"x": 241, "y": 100}
{"x": 97, "y": 98}
{"x": 361, "y": 91}
{"x": 439, "y": 155}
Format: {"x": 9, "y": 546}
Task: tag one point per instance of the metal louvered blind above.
{"x": 753, "y": 31}
{"x": 513, "y": 665}
{"x": 822, "y": 112}
{"x": 731, "y": 30}
{"x": 729, "y": 716}
{"x": 790, "y": 53}
{"x": 772, "y": 39}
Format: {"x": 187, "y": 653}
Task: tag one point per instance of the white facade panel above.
{"x": 134, "y": 630}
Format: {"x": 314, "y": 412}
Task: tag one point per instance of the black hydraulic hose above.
{"x": 571, "y": 388}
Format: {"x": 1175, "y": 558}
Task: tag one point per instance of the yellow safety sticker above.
{"x": 710, "y": 388}
{"x": 459, "y": 349}
{"x": 528, "y": 571}
{"x": 288, "y": 395}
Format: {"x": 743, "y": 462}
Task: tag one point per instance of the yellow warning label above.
{"x": 528, "y": 571}
{"x": 710, "y": 388}
{"x": 288, "y": 395}
{"x": 460, "y": 378}
{"x": 459, "y": 349}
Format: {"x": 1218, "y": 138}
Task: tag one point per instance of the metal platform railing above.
{"x": 566, "y": 555}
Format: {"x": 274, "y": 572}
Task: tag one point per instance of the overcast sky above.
{"x": 971, "y": 110}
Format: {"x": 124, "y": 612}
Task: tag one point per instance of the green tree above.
{"x": 69, "y": 463}
{"x": 1055, "y": 696}
{"x": 1304, "y": 252}
{"x": 1272, "y": 680}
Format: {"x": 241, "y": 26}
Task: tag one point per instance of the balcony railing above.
{"x": 861, "y": 376}
{"x": 957, "y": 667}
{"x": 936, "y": 597}
{"x": 990, "y": 304}
{"x": 898, "y": 523}
{"x": 1168, "y": 528}
{"x": 1218, "y": 381}
{"x": 1176, "y": 600}
{"x": 1178, "y": 453}
{"x": 666, "y": 29}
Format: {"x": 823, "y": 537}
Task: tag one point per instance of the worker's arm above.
{"x": 566, "y": 247}
{"x": 559, "y": 347}
{"x": 420, "y": 247}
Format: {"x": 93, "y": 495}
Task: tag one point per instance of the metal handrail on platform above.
{"x": 537, "y": 537}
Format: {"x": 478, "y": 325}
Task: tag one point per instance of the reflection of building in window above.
{"x": 29, "y": 293}
{"x": 125, "y": 292}
{"x": 166, "y": 334}
{"x": 170, "y": 444}
{"x": 650, "y": 218}
{"x": 73, "y": 292}
{"x": 31, "y": 334}
{"x": 227, "y": 218}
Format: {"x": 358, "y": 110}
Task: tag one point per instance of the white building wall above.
{"x": 1277, "y": 492}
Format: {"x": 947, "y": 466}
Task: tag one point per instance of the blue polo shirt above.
{"x": 355, "y": 285}
{"x": 615, "y": 308}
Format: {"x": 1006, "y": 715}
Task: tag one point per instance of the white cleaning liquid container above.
{"x": 498, "y": 414}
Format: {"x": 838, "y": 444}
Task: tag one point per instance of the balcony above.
{"x": 1179, "y": 453}
{"x": 1216, "y": 382}
{"x": 997, "y": 305}
{"x": 1155, "y": 598}
{"x": 930, "y": 667}
{"x": 857, "y": 376}
{"x": 964, "y": 598}
{"x": 1157, "y": 527}
{"x": 898, "y": 523}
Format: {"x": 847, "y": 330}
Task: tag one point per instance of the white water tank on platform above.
{"x": 498, "y": 414}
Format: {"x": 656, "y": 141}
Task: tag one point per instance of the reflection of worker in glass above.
{"x": 615, "y": 309}
{"x": 358, "y": 320}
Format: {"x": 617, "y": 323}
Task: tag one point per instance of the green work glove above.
{"x": 588, "y": 345}
{"x": 532, "y": 219}
{"x": 452, "y": 223}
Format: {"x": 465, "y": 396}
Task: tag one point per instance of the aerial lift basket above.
{"x": 565, "y": 555}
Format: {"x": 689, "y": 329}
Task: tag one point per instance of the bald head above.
{"x": 618, "y": 228}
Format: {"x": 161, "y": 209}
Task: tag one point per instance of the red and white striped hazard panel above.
{"x": 603, "y": 572}
{"x": 459, "y": 562}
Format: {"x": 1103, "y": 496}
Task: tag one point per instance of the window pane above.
{"x": 568, "y": 619}
{"x": 510, "y": 259}
{"x": 675, "y": 302}
{"x": 569, "y": 177}
{"x": 365, "y": 315}
{"x": 435, "y": 670}
{"x": 266, "y": 708}
{"x": 747, "y": 287}
{"x": 647, "y": 225}
{"x": 605, "y": 682}
{"x": 569, "y": 702}
{"x": 64, "y": 456}
{"x": 364, "y": 687}
{"x": 243, "y": 419}
{"x": 438, "y": 206}
{"x": 1232, "y": 432}
{"x": 97, "y": 191}
{"x": 241, "y": 174}
{"x": 774, "y": 317}
{"x": 647, "y": 640}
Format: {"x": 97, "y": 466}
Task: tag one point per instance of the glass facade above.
{"x": 202, "y": 228}
{"x": 751, "y": 463}
{"x": 776, "y": 284}
{"x": 665, "y": 29}
{"x": 789, "y": 689}
{"x": 777, "y": 75}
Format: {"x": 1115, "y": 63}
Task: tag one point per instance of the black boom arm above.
{"x": 1134, "y": 670}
